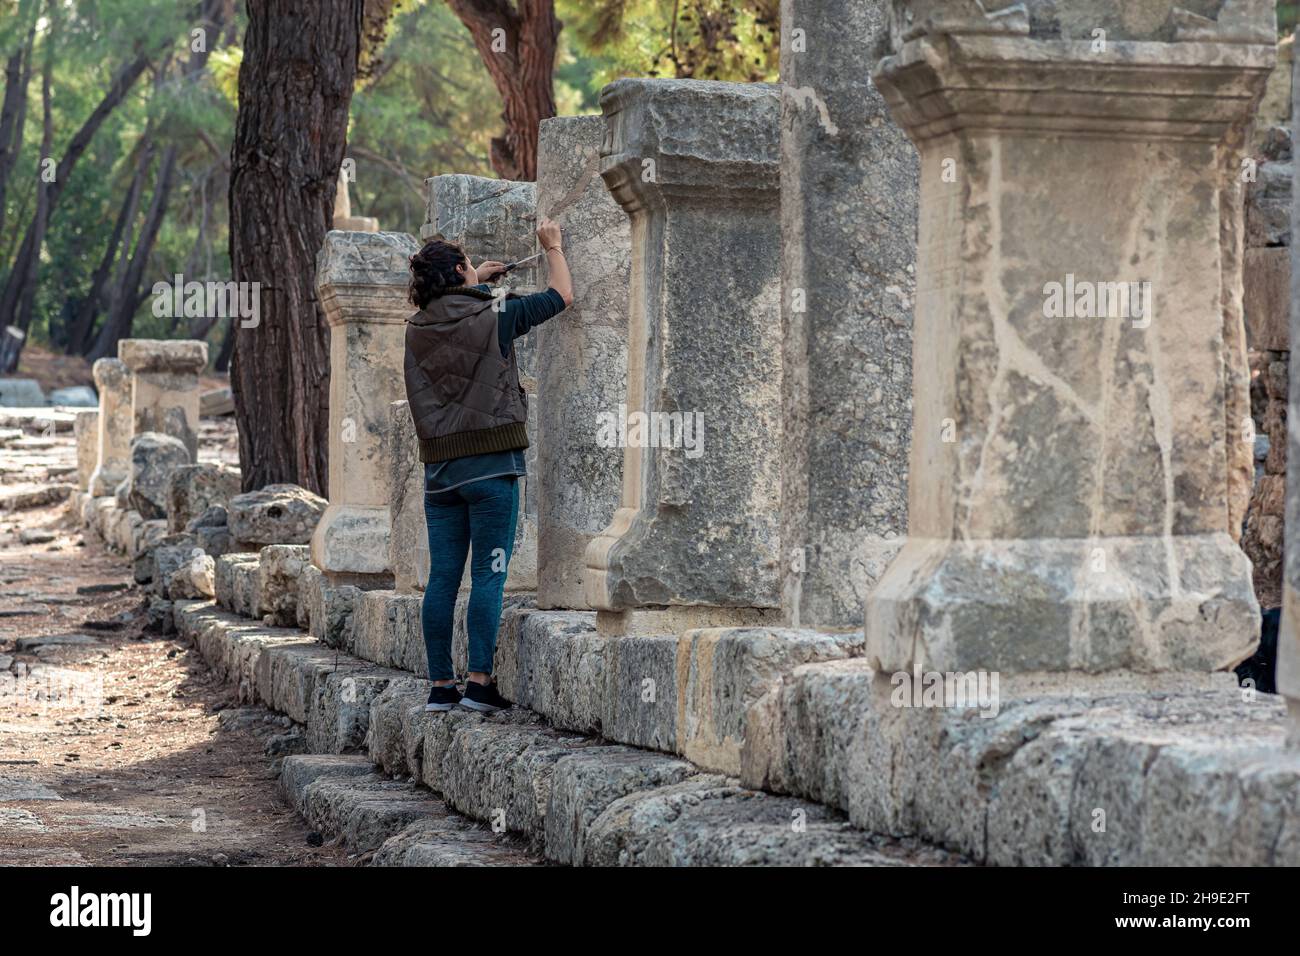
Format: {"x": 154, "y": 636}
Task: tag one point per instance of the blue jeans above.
{"x": 482, "y": 514}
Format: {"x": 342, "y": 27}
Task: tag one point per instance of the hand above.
{"x": 489, "y": 270}
{"x": 548, "y": 234}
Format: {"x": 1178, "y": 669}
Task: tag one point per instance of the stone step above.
{"x": 1205, "y": 775}
{"x": 288, "y": 671}
{"x": 402, "y": 823}
{"x": 571, "y": 796}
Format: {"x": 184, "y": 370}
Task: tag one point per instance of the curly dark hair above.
{"x": 433, "y": 271}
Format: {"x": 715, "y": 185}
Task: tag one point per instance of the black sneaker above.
{"x": 483, "y": 698}
{"x": 443, "y": 698}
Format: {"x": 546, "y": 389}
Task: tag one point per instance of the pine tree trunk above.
{"x": 13, "y": 109}
{"x": 517, "y": 44}
{"x": 295, "y": 88}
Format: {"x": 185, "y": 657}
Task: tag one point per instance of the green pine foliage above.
{"x": 425, "y": 106}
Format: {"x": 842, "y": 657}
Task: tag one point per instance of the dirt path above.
{"x": 117, "y": 747}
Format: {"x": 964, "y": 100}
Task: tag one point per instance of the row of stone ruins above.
{"x": 684, "y": 629}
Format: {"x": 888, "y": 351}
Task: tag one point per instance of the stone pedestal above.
{"x": 497, "y": 219}
{"x": 694, "y": 164}
{"x": 581, "y": 358}
{"x": 113, "y": 459}
{"x": 488, "y": 218}
{"x": 362, "y": 279}
{"x": 85, "y": 425}
{"x": 408, "y": 545}
{"x": 1288, "y": 638}
{"x": 1069, "y": 499}
{"x": 165, "y": 387}
{"x": 848, "y": 229}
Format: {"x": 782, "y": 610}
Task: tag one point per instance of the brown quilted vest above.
{"x": 465, "y": 398}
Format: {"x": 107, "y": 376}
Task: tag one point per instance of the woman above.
{"x": 470, "y": 412}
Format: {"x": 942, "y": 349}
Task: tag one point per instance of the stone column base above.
{"x": 352, "y": 539}
{"x": 1179, "y": 603}
{"x": 678, "y": 620}
{"x": 104, "y": 483}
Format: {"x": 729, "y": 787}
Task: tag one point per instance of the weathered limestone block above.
{"x": 192, "y": 489}
{"x": 154, "y": 456}
{"x": 384, "y": 740}
{"x": 641, "y": 690}
{"x": 488, "y": 218}
{"x": 145, "y": 536}
{"x": 362, "y": 280}
{"x": 339, "y": 714}
{"x": 227, "y": 580}
{"x": 553, "y": 664}
{"x": 727, "y": 704}
{"x": 1275, "y": 107}
{"x": 85, "y": 426}
{"x": 1288, "y": 637}
{"x": 124, "y": 529}
{"x": 585, "y": 784}
{"x": 276, "y": 514}
{"x": 707, "y": 820}
{"x": 695, "y": 165}
{"x": 301, "y": 770}
{"x": 365, "y": 811}
{"x": 1268, "y": 210}
{"x": 113, "y": 461}
{"x": 1185, "y": 773}
{"x": 1070, "y": 505}
{"x": 848, "y": 230}
{"x": 581, "y": 358}
{"x": 279, "y": 567}
{"x": 449, "y": 841}
{"x": 325, "y": 604}
{"x": 165, "y": 387}
{"x": 408, "y": 544}
{"x": 193, "y": 577}
{"x": 520, "y": 791}
{"x": 386, "y": 630}
{"x": 100, "y": 509}
{"x": 216, "y": 402}
{"x": 1236, "y": 362}
{"x": 210, "y": 530}
{"x": 171, "y": 553}
{"x": 496, "y": 219}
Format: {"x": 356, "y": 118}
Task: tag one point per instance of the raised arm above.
{"x": 548, "y": 233}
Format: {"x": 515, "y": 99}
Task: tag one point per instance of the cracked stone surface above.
{"x": 848, "y": 214}
{"x": 697, "y": 527}
{"x": 1071, "y": 503}
{"x": 581, "y": 357}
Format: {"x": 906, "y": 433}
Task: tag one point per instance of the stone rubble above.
{"x": 276, "y": 514}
